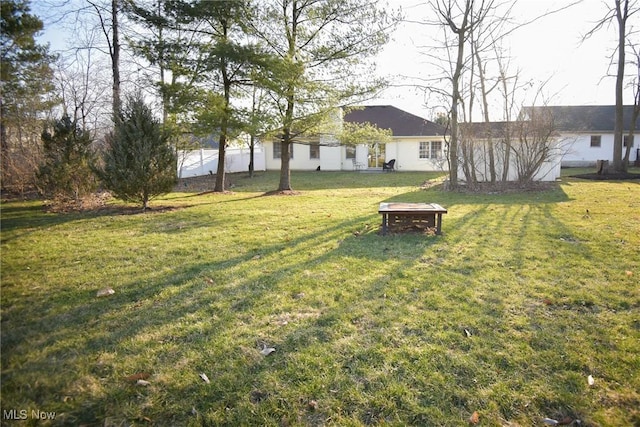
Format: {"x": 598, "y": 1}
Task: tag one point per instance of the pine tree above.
{"x": 66, "y": 171}
{"x": 139, "y": 164}
{"x": 25, "y": 83}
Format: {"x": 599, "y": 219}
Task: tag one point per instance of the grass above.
{"x": 368, "y": 329}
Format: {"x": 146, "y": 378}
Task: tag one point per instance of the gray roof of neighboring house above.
{"x": 484, "y": 129}
{"x": 400, "y": 122}
{"x": 585, "y": 118}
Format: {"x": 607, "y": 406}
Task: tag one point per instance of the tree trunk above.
{"x": 453, "y": 145}
{"x": 485, "y": 107}
{"x": 621, "y": 17}
{"x": 634, "y": 118}
{"x": 285, "y": 173}
{"x": 506, "y": 161}
{"x": 4, "y": 146}
{"x": 252, "y": 149}
{"x": 115, "y": 57}
{"x": 222, "y": 142}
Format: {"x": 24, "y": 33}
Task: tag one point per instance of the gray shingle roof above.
{"x": 585, "y": 118}
{"x": 400, "y": 122}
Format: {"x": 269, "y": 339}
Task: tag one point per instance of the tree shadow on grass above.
{"x": 82, "y": 347}
{"x": 34, "y": 216}
{"x": 71, "y": 352}
{"x": 502, "y": 237}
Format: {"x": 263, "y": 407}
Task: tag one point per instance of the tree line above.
{"x": 223, "y": 67}
{"x": 267, "y": 68}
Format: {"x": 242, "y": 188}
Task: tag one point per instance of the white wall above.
{"x": 203, "y": 162}
{"x": 332, "y": 157}
{"x": 548, "y": 171}
{"x": 406, "y": 151}
{"x": 301, "y": 158}
{"x": 581, "y": 154}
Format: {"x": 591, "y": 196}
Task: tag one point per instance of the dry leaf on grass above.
{"x": 105, "y": 292}
{"x": 266, "y": 350}
{"x": 474, "y": 418}
{"x": 139, "y": 376}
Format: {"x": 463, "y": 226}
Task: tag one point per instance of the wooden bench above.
{"x": 406, "y": 216}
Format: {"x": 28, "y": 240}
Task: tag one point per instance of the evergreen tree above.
{"x": 25, "y": 82}
{"x": 139, "y": 163}
{"x": 206, "y": 47}
{"x": 325, "y": 52}
{"x": 66, "y": 171}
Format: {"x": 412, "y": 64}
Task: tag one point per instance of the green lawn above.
{"x": 507, "y": 314}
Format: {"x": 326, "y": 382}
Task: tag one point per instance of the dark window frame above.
{"x": 350, "y": 152}
{"x": 277, "y": 150}
{"x": 314, "y": 151}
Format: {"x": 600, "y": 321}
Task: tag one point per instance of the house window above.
{"x": 430, "y": 149}
{"x": 277, "y": 150}
{"x": 626, "y": 140}
{"x": 596, "y": 140}
{"x": 424, "y": 150}
{"x": 314, "y": 151}
{"x": 436, "y": 149}
{"x": 351, "y": 152}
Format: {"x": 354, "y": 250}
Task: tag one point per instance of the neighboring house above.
{"x": 534, "y": 155}
{"x": 202, "y": 159}
{"x": 416, "y": 144}
{"x": 588, "y": 132}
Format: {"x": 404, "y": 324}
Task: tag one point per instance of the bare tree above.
{"x": 534, "y": 144}
{"x": 635, "y": 114}
{"x": 619, "y": 11}
{"x": 477, "y": 77}
{"x": 462, "y": 19}
{"x": 108, "y": 18}
{"x": 80, "y": 85}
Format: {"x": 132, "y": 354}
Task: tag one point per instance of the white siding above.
{"x": 330, "y": 158}
{"x": 581, "y": 154}
{"x": 549, "y": 171}
{"x": 406, "y": 151}
{"x": 205, "y": 162}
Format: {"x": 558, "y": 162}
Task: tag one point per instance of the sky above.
{"x": 550, "y": 49}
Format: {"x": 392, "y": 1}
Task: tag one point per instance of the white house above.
{"x": 588, "y": 132}
{"x": 416, "y": 145}
{"x": 531, "y": 149}
{"x": 582, "y": 135}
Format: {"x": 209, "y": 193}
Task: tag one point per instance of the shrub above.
{"x": 66, "y": 171}
{"x": 139, "y": 163}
